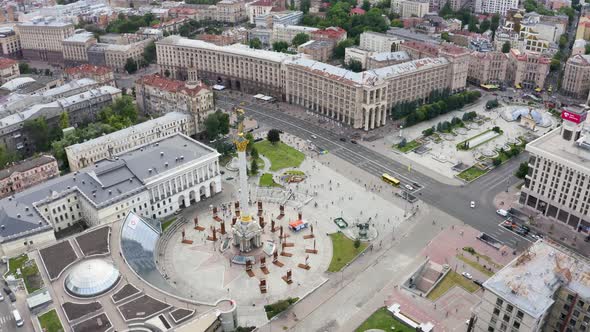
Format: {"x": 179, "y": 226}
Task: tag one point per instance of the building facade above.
{"x": 544, "y": 289}
{"x": 10, "y": 43}
{"x": 379, "y": 42}
{"x": 100, "y": 74}
{"x": 286, "y": 33}
{"x": 413, "y": 8}
{"x": 527, "y": 69}
{"x": 82, "y": 107}
{"x": 487, "y": 68}
{"x": 153, "y": 180}
{"x": 494, "y": 6}
{"x": 84, "y": 154}
{"x": 235, "y": 66}
{"x": 8, "y": 70}
{"x": 157, "y": 95}
{"x": 319, "y": 50}
{"x": 75, "y": 48}
{"x": 116, "y": 55}
{"x": 42, "y": 39}
{"x": 557, "y": 184}
{"x": 27, "y": 173}
{"x": 576, "y": 76}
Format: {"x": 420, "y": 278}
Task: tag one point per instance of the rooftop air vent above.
{"x": 166, "y": 164}
{"x": 27, "y": 208}
{"x": 18, "y": 215}
{"x": 110, "y": 192}
{"x": 161, "y": 154}
{"x": 149, "y": 170}
{"x": 2, "y": 226}
{"x": 181, "y": 157}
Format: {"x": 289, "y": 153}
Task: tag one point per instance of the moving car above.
{"x": 467, "y": 275}
{"x": 353, "y": 141}
{"x": 17, "y": 318}
{"x": 409, "y": 187}
{"x": 342, "y": 139}
{"x": 314, "y": 136}
{"x": 472, "y": 204}
{"x": 501, "y": 212}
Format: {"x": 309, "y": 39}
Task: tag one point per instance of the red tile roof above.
{"x": 88, "y": 69}
{"x": 434, "y": 50}
{"x": 330, "y": 33}
{"x": 171, "y": 85}
{"x": 357, "y": 11}
{"x": 6, "y": 62}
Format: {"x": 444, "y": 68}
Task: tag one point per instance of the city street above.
{"x": 453, "y": 200}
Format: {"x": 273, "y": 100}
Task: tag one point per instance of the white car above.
{"x": 314, "y": 136}
{"x": 467, "y": 275}
{"x": 472, "y": 204}
{"x": 409, "y": 187}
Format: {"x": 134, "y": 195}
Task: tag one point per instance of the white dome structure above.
{"x": 91, "y": 278}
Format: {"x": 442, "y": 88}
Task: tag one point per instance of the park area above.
{"x": 49, "y": 322}
{"x": 266, "y": 180}
{"x": 280, "y": 155}
{"x": 471, "y": 173}
{"x": 382, "y": 319}
{"x": 29, "y": 272}
{"x": 344, "y": 251}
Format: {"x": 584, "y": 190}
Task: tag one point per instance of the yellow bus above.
{"x": 390, "y": 179}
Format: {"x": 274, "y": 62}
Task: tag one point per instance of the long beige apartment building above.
{"x": 360, "y": 100}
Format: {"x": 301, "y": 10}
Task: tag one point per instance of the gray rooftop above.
{"x": 103, "y": 184}
{"x": 391, "y": 56}
{"x": 568, "y": 153}
{"x": 529, "y": 281}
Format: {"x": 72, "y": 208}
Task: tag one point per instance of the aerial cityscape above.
{"x": 294, "y": 165}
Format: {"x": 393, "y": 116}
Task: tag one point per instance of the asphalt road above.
{"x": 453, "y": 200}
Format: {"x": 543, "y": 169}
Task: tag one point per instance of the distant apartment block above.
{"x": 100, "y": 74}
{"x": 576, "y": 76}
{"x": 42, "y": 39}
{"x": 8, "y": 70}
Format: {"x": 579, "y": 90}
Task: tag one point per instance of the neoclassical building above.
{"x": 153, "y": 180}
{"x": 360, "y": 100}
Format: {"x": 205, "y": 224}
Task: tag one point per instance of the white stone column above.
{"x": 366, "y": 118}
{"x": 243, "y": 183}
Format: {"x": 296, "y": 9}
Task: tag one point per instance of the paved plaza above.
{"x": 332, "y": 195}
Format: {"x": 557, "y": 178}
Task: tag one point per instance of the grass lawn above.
{"x": 476, "y": 265}
{"x": 167, "y": 223}
{"x": 471, "y": 173}
{"x": 279, "y": 306}
{"x": 482, "y": 256}
{"x": 343, "y": 251}
{"x": 50, "y": 322}
{"x": 411, "y": 145}
{"x": 295, "y": 172}
{"x": 29, "y": 272}
{"x": 280, "y": 154}
{"x": 383, "y": 320}
{"x": 266, "y": 180}
{"x": 16, "y": 263}
{"x": 450, "y": 280}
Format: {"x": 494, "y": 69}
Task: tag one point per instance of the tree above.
{"x": 6, "y": 157}
{"x": 254, "y": 153}
{"x": 355, "y": 65}
{"x": 563, "y": 41}
{"x": 149, "y": 53}
{"x": 366, "y": 6}
{"x": 299, "y": 39}
{"x": 445, "y": 36}
{"x": 24, "y": 68}
{"x": 255, "y": 43}
{"x": 304, "y": 6}
{"x": 339, "y": 50}
{"x": 472, "y": 26}
{"x": 495, "y": 22}
{"x": 357, "y": 243}
{"x": 402, "y": 143}
{"x": 587, "y": 49}
{"x": 497, "y": 161}
{"x": 64, "y": 120}
{"x": 484, "y": 26}
{"x": 555, "y": 64}
{"x": 280, "y": 46}
{"x": 253, "y": 167}
{"x": 492, "y": 104}
{"x": 397, "y": 23}
{"x": 167, "y": 73}
{"x": 38, "y": 131}
{"x": 212, "y": 126}
{"x": 497, "y": 129}
{"x": 131, "y": 66}
{"x": 273, "y": 136}
{"x": 506, "y": 47}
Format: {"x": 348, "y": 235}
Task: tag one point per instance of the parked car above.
{"x": 353, "y": 141}
{"x": 7, "y": 290}
{"x": 342, "y": 139}
{"x": 472, "y": 204}
{"x": 467, "y": 275}
{"x": 314, "y": 136}
{"x": 409, "y": 187}
{"x": 12, "y": 297}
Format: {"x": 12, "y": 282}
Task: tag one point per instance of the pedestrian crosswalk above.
{"x": 5, "y": 319}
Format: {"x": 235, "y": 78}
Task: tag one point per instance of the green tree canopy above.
{"x": 355, "y": 65}
{"x": 38, "y": 131}
{"x": 506, "y": 47}
{"x": 131, "y": 66}
{"x": 339, "y": 50}
{"x": 280, "y": 46}
{"x": 255, "y": 43}
{"x": 273, "y": 136}
{"x": 299, "y": 39}
{"x": 149, "y": 53}
{"x": 64, "y": 120}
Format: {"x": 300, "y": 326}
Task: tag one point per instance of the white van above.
{"x": 17, "y": 318}
{"x": 501, "y": 212}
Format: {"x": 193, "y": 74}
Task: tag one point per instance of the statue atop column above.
{"x": 247, "y": 233}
